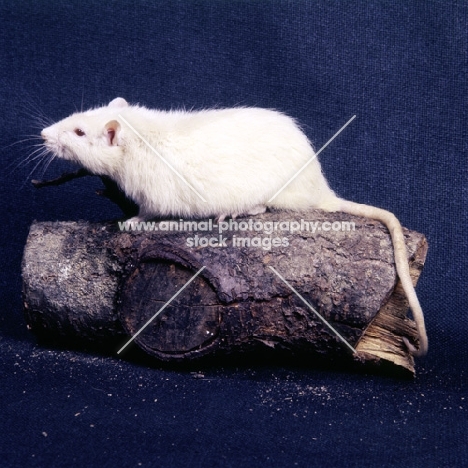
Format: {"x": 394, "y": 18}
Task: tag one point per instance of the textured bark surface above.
{"x": 93, "y": 282}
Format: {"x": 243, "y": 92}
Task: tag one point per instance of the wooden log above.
{"x": 87, "y": 282}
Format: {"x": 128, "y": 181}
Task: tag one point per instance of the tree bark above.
{"x": 94, "y": 283}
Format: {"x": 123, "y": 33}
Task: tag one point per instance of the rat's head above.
{"x": 92, "y": 139}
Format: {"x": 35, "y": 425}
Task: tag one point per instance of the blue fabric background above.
{"x": 400, "y": 67}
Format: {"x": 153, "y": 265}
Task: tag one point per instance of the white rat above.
{"x": 217, "y": 162}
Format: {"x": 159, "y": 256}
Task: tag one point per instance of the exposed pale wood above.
{"x": 379, "y": 340}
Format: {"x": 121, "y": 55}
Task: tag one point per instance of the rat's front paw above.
{"x": 132, "y": 224}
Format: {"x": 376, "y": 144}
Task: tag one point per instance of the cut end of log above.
{"x": 382, "y": 341}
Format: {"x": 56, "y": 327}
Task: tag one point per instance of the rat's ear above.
{"x": 112, "y": 131}
{"x": 118, "y": 103}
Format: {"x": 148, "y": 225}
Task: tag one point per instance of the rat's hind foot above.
{"x": 220, "y": 218}
{"x": 259, "y": 209}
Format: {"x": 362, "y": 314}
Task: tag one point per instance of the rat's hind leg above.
{"x": 220, "y": 218}
{"x": 258, "y": 209}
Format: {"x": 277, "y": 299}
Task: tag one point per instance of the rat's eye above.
{"x": 79, "y": 132}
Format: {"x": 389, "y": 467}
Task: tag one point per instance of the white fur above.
{"x": 236, "y": 159}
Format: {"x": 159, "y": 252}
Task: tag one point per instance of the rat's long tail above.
{"x": 401, "y": 262}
